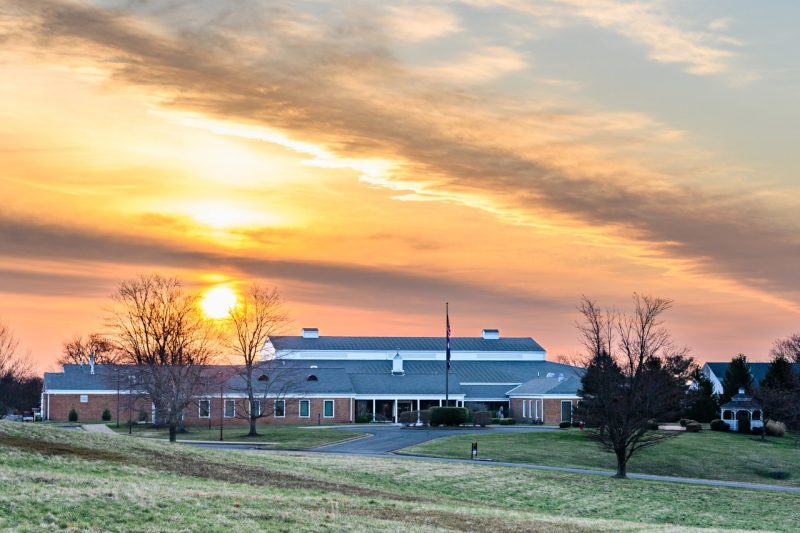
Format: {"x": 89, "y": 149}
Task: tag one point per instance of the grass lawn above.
{"x": 55, "y": 479}
{"x": 707, "y": 455}
{"x": 283, "y": 437}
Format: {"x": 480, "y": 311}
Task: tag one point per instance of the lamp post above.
{"x": 131, "y": 379}
{"x": 221, "y": 403}
{"x": 116, "y": 369}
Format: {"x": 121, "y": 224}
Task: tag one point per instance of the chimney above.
{"x": 490, "y": 334}
{"x": 91, "y": 363}
{"x": 741, "y": 391}
{"x": 397, "y": 365}
{"x": 310, "y": 333}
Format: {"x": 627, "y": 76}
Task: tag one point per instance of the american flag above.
{"x": 447, "y": 313}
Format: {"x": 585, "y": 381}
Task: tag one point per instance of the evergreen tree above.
{"x": 702, "y": 403}
{"x": 779, "y": 374}
{"x": 737, "y": 376}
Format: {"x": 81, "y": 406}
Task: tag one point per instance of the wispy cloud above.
{"x": 419, "y": 22}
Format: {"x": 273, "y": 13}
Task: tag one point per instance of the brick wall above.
{"x": 551, "y": 408}
{"x": 92, "y": 409}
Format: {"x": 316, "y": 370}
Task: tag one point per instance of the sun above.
{"x": 218, "y": 301}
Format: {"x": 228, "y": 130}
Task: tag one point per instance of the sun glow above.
{"x": 217, "y": 301}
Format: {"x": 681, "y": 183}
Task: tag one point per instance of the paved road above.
{"x": 386, "y": 439}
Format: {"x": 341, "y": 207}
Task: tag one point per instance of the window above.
{"x": 305, "y": 408}
{"x": 756, "y": 415}
{"x": 327, "y": 409}
{"x": 230, "y": 408}
{"x": 727, "y": 415}
{"x": 204, "y": 408}
{"x": 280, "y": 408}
{"x": 84, "y": 398}
{"x": 255, "y": 408}
{"x": 312, "y": 377}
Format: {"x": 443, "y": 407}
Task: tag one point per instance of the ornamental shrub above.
{"x": 565, "y": 425}
{"x": 73, "y": 415}
{"x": 776, "y": 429}
{"x": 363, "y": 418}
{"x": 693, "y": 427}
{"x": 756, "y": 431}
{"x": 106, "y": 416}
{"x": 720, "y": 425}
{"x": 425, "y": 417}
{"x": 505, "y": 421}
{"x": 652, "y": 424}
{"x": 408, "y": 418}
{"x": 482, "y": 418}
{"x": 684, "y": 421}
{"x": 449, "y": 416}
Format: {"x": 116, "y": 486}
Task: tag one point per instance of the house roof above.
{"x": 741, "y": 401}
{"x": 422, "y": 384}
{"x": 757, "y": 370}
{"x": 407, "y": 344}
{"x": 569, "y": 385}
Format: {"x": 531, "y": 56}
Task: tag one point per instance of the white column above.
{"x": 440, "y": 402}
{"x": 523, "y": 408}
{"x": 373, "y": 410}
{"x": 394, "y": 410}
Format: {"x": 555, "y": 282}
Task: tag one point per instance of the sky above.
{"x": 374, "y": 160}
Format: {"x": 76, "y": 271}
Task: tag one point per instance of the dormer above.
{"x": 397, "y": 365}
{"x": 310, "y": 333}
{"x": 490, "y": 334}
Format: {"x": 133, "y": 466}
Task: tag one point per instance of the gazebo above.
{"x": 742, "y": 407}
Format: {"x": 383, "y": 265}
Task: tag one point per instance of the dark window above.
{"x": 205, "y": 408}
{"x": 305, "y": 408}
{"x": 280, "y": 408}
{"x": 327, "y": 410}
{"x": 312, "y": 377}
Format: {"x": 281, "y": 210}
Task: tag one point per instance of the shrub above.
{"x": 449, "y": 416}
{"x": 505, "y": 421}
{"x": 142, "y": 416}
{"x": 364, "y": 418}
{"x": 652, "y": 424}
{"x": 576, "y": 423}
{"x": 425, "y": 417}
{"x": 482, "y": 418}
{"x": 744, "y": 426}
{"x": 720, "y": 425}
{"x": 73, "y": 415}
{"x": 693, "y": 427}
{"x": 564, "y": 425}
{"x": 106, "y": 416}
{"x": 776, "y": 429}
{"x": 684, "y": 421}
{"x": 408, "y": 418}
{"x": 756, "y": 431}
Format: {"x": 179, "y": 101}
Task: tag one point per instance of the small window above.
{"x": 327, "y": 409}
{"x": 566, "y": 411}
{"x": 204, "y": 408}
{"x": 727, "y": 415}
{"x": 256, "y": 408}
{"x": 305, "y": 408}
{"x": 756, "y": 415}
{"x": 312, "y": 377}
{"x": 280, "y": 408}
{"x": 84, "y": 398}
{"x": 230, "y": 408}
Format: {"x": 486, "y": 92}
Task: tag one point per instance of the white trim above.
{"x": 478, "y": 400}
{"x": 487, "y": 383}
{"x": 405, "y": 396}
{"x": 85, "y": 391}
{"x": 548, "y": 396}
{"x": 300, "y": 411}
{"x": 200, "y": 410}
{"x": 275, "y": 408}
{"x": 333, "y": 409}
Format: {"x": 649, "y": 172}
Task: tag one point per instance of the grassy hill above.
{"x": 58, "y": 479}
{"x": 705, "y": 455}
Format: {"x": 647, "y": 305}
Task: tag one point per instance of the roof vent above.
{"x": 91, "y": 363}
{"x": 550, "y": 375}
{"x": 397, "y": 365}
{"x": 490, "y": 334}
{"x": 312, "y": 377}
{"x": 313, "y": 366}
{"x": 310, "y": 333}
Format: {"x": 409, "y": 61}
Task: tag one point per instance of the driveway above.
{"x": 386, "y": 438}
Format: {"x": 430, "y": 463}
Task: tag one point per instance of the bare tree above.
{"x": 634, "y": 374}
{"x": 11, "y": 362}
{"x": 259, "y": 315}
{"x": 788, "y": 348}
{"x": 19, "y": 387}
{"x": 158, "y": 328}
{"x": 78, "y": 349}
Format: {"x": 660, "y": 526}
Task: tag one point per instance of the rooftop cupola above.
{"x": 397, "y": 365}
{"x": 490, "y": 334}
{"x": 310, "y": 333}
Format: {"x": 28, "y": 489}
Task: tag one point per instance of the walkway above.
{"x": 98, "y": 428}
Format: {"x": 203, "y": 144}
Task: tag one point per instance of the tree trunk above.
{"x": 253, "y": 432}
{"x": 173, "y": 432}
{"x": 622, "y": 466}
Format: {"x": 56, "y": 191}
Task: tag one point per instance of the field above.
{"x": 56, "y": 479}
{"x": 277, "y": 437}
{"x": 706, "y": 455}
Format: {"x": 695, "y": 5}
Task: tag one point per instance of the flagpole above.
{"x": 447, "y": 356}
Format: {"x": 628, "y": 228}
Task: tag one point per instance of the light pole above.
{"x": 130, "y": 404}
{"x": 221, "y": 403}
{"x": 116, "y": 369}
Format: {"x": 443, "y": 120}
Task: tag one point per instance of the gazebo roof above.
{"x": 742, "y": 401}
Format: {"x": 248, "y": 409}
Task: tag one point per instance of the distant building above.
{"x": 715, "y": 372}
{"x": 348, "y": 379}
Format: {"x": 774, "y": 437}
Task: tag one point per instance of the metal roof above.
{"x": 757, "y": 370}
{"x": 544, "y": 385}
{"x": 408, "y": 344}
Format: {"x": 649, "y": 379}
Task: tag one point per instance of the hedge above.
{"x": 73, "y": 415}
{"x": 693, "y": 427}
{"x": 106, "y": 416}
{"x": 449, "y": 416}
{"x": 719, "y": 425}
{"x": 482, "y": 418}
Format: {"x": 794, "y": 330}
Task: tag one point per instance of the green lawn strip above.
{"x": 705, "y": 455}
{"x": 54, "y": 491}
{"x": 280, "y": 437}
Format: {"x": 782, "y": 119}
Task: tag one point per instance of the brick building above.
{"x": 309, "y": 379}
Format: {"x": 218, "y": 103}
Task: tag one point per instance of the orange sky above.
{"x": 375, "y": 161}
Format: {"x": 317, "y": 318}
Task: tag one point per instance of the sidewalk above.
{"x": 98, "y": 428}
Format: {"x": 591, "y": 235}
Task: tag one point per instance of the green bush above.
{"x": 482, "y": 418}
{"x": 365, "y": 418}
{"x": 693, "y": 427}
{"x": 756, "y": 431}
{"x": 425, "y": 417}
{"x": 449, "y": 416}
{"x": 652, "y": 424}
{"x": 684, "y": 421}
{"x": 504, "y": 421}
{"x": 73, "y": 415}
{"x": 776, "y": 429}
{"x": 720, "y": 425}
{"x": 565, "y": 425}
{"x": 408, "y": 417}
{"x": 106, "y": 416}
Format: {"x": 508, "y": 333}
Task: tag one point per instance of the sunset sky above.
{"x": 374, "y": 160}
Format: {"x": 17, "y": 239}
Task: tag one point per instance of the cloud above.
{"x": 345, "y": 91}
{"x": 486, "y": 64}
{"x": 417, "y": 23}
